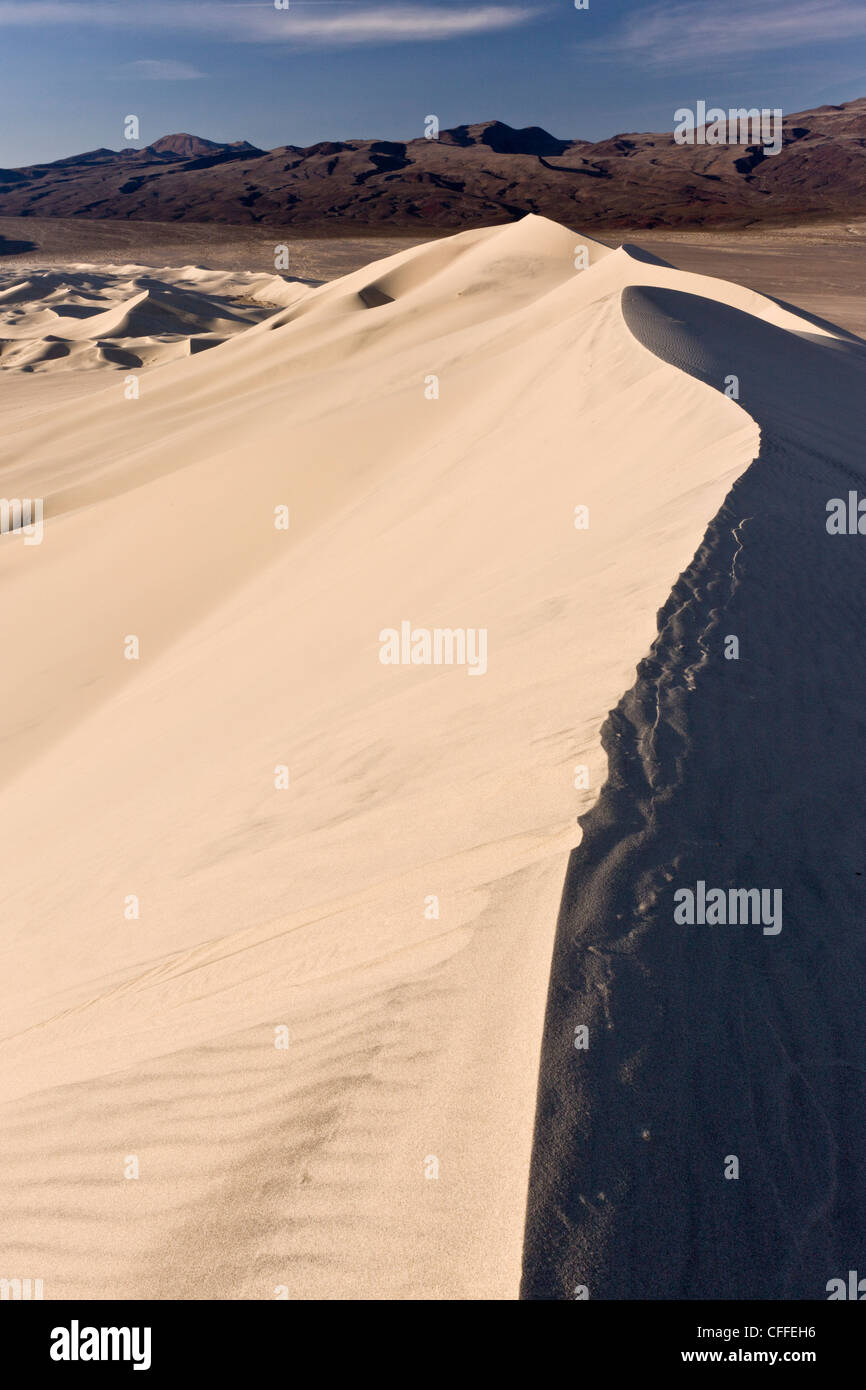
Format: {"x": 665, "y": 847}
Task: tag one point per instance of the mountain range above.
{"x": 472, "y": 175}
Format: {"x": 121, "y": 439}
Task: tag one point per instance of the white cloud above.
{"x": 693, "y": 31}
{"x": 160, "y": 70}
{"x": 302, "y": 23}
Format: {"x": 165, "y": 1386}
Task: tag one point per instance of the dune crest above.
{"x": 714, "y": 1045}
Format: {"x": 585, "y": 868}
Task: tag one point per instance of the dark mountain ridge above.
{"x": 472, "y": 175}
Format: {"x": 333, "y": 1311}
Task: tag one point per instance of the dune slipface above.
{"x": 282, "y": 915}
{"x": 708, "y": 1141}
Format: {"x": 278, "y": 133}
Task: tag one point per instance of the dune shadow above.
{"x": 374, "y": 298}
{"x": 814, "y": 319}
{"x": 640, "y": 253}
{"x": 793, "y": 385}
{"x": 10, "y": 247}
{"x": 710, "y": 1140}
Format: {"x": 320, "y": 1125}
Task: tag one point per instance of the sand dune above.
{"x": 432, "y": 422}
{"x": 719, "y": 1042}
{"x": 127, "y": 316}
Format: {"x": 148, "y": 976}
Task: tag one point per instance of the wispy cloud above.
{"x": 160, "y": 70}
{"x": 694, "y": 31}
{"x": 311, "y": 23}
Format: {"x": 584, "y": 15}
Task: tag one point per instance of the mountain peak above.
{"x": 190, "y": 146}
{"x": 505, "y": 139}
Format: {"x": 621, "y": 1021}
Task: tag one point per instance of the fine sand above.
{"x": 174, "y": 913}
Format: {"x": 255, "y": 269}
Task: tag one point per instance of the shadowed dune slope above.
{"x": 713, "y": 1042}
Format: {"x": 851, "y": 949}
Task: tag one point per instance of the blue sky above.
{"x": 71, "y": 70}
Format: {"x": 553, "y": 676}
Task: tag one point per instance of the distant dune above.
{"x": 126, "y": 316}
{"x": 280, "y": 919}
{"x": 472, "y": 175}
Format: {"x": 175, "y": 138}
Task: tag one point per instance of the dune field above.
{"x": 125, "y": 316}
{"x": 282, "y": 983}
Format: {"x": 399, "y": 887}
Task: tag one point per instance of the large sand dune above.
{"x": 412, "y": 1037}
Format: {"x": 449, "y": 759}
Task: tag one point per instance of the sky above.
{"x": 71, "y": 71}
